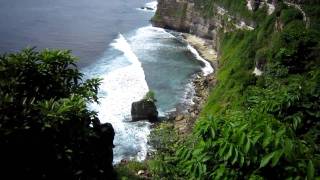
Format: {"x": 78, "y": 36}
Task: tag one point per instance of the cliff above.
{"x": 207, "y": 18}
{"x": 203, "y": 20}
{"x": 210, "y": 19}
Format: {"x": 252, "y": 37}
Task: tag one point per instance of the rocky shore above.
{"x": 205, "y": 47}
{"x": 184, "y": 121}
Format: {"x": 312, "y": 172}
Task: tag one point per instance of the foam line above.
{"x": 207, "y": 69}
{"x": 120, "y": 88}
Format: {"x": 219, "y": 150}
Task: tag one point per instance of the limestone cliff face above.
{"x": 184, "y": 16}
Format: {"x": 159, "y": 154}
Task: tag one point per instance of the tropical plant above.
{"x": 46, "y": 128}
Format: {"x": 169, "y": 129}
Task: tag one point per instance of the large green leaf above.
{"x": 265, "y": 160}
{"x": 310, "y": 170}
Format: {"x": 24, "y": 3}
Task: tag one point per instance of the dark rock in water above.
{"x": 147, "y": 8}
{"x": 144, "y": 110}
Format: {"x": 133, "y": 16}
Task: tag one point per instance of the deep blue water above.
{"x": 84, "y": 26}
{"x": 114, "y": 41}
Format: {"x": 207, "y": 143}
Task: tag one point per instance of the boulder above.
{"x": 179, "y": 117}
{"x": 141, "y": 172}
{"x": 144, "y": 110}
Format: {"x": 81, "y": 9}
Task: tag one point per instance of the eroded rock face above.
{"x": 144, "y": 110}
{"x": 184, "y": 16}
{"x": 171, "y": 14}
{"x": 181, "y": 15}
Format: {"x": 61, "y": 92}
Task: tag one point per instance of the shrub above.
{"x": 47, "y": 131}
{"x": 150, "y": 96}
{"x": 288, "y": 15}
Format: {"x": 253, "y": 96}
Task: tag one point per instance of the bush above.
{"x": 288, "y": 15}
{"x": 150, "y": 96}
{"x": 47, "y": 131}
{"x": 296, "y": 47}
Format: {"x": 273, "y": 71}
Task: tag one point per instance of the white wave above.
{"x": 207, "y": 69}
{"x": 150, "y": 31}
{"x": 150, "y": 6}
{"x": 119, "y": 88}
{"x": 122, "y": 44}
{"x": 189, "y": 94}
{"x": 152, "y": 36}
{"x": 148, "y": 39}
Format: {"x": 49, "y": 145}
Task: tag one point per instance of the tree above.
{"x": 46, "y": 129}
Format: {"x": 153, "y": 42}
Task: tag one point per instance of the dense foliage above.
{"x": 46, "y": 129}
{"x": 237, "y": 9}
{"x": 264, "y": 127}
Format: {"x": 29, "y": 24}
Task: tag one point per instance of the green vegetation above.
{"x": 150, "y": 96}
{"x": 264, "y": 127}
{"x": 46, "y": 129}
{"x": 314, "y": 14}
{"x": 165, "y": 140}
{"x": 287, "y": 15}
{"x": 235, "y": 8}
{"x": 129, "y": 170}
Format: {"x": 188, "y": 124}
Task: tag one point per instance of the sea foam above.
{"x": 207, "y": 69}
{"x": 119, "y": 88}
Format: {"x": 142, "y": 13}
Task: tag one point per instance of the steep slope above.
{"x": 263, "y": 126}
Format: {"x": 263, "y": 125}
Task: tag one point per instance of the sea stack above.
{"x": 144, "y": 110}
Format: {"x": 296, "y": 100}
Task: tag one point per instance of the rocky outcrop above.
{"x": 184, "y": 121}
{"x": 254, "y": 5}
{"x": 144, "y": 110}
{"x": 181, "y": 15}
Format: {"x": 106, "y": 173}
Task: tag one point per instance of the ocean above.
{"x": 115, "y": 41}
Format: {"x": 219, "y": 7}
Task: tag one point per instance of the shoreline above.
{"x": 204, "y": 48}
{"x": 185, "y": 116}
{"x": 184, "y": 120}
